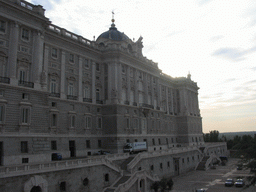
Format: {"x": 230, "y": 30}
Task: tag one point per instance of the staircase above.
{"x": 128, "y": 179}
{"x": 201, "y": 165}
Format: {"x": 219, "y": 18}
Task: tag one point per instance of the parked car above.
{"x": 101, "y": 152}
{"x": 239, "y": 183}
{"x": 229, "y": 182}
{"x": 201, "y": 190}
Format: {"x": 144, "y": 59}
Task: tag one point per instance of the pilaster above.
{"x": 80, "y": 79}
{"x": 12, "y": 55}
{"x": 93, "y": 64}
{"x": 37, "y": 58}
{"x": 62, "y": 75}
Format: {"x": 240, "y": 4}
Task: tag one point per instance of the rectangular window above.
{"x": 70, "y": 88}
{"x": 25, "y": 115}
{"x": 25, "y": 96}
{"x": 72, "y": 121}
{"x": 24, "y": 160}
{"x": 88, "y": 122}
{"x": 22, "y": 75}
{"x": 127, "y": 123}
{"x": 97, "y": 67}
{"x": 1, "y": 113}
{"x": 71, "y": 58}
{"x": 53, "y": 145}
{"x": 53, "y": 86}
{"x": 54, "y": 120}
{"x": 99, "y": 122}
{"x": 88, "y": 144}
{"x": 97, "y": 94}
{"x": 159, "y": 141}
{"x": 99, "y": 143}
{"x": 153, "y": 141}
{"x": 25, "y": 34}
{"x": 86, "y": 63}
{"x": 2, "y": 26}
{"x": 24, "y": 146}
{"x": 54, "y": 53}
{"x": 86, "y": 92}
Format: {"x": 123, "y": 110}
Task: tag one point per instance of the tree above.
{"x": 213, "y": 136}
{"x": 155, "y": 186}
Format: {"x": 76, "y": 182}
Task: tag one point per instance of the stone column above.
{"x": 145, "y": 89}
{"x": 44, "y": 80}
{"x": 63, "y": 75}
{"x": 93, "y": 82}
{"x": 37, "y": 58}
{"x": 80, "y": 79}
{"x": 158, "y": 92}
{"x": 119, "y": 81}
{"x": 172, "y": 110}
{"x": 167, "y": 100}
{"x": 152, "y": 91}
{"x": 136, "y": 96}
{"x": 110, "y": 73}
{"x": 12, "y": 55}
{"x": 128, "y": 84}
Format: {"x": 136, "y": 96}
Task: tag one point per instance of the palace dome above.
{"x": 114, "y": 34}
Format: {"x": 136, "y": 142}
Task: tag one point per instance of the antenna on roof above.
{"x": 113, "y": 20}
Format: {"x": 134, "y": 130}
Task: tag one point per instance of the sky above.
{"x": 213, "y": 40}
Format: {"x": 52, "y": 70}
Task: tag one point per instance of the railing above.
{"x": 5, "y": 80}
{"x": 127, "y": 103}
{"x": 71, "y": 97}
{"x": 99, "y": 101}
{"x": 146, "y": 105}
{"x": 26, "y": 84}
{"x": 54, "y": 94}
{"x": 87, "y": 100}
{"x": 134, "y": 104}
{"x": 9, "y": 171}
{"x": 69, "y": 34}
{"x": 143, "y": 155}
{"x": 37, "y": 8}
{"x": 128, "y": 184}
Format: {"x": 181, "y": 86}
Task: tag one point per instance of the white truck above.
{"x": 135, "y": 147}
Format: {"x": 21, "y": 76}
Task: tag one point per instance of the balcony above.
{"x": 157, "y": 108}
{"x": 134, "y": 104}
{"x": 99, "y": 101}
{"x": 88, "y": 100}
{"x": 54, "y": 95}
{"x": 26, "y": 84}
{"x": 127, "y": 103}
{"x": 71, "y": 97}
{"x": 147, "y": 105}
{"x": 5, "y": 80}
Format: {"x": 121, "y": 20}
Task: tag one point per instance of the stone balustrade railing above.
{"x": 143, "y": 155}
{"x": 139, "y": 174}
{"x": 70, "y": 35}
{"x": 26, "y": 169}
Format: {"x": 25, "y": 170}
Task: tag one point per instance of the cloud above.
{"x": 216, "y": 38}
{"x": 229, "y": 80}
{"x": 47, "y": 4}
{"x": 253, "y": 68}
{"x": 202, "y": 2}
{"x": 250, "y": 82}
{"x": 233, "y": 53}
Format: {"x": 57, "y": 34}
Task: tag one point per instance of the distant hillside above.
{"x": 231, "y": 135}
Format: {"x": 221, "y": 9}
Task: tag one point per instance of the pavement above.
{"x": 213, "y": 180}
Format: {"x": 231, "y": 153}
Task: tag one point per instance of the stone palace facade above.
{"x": 62, "y": 93}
